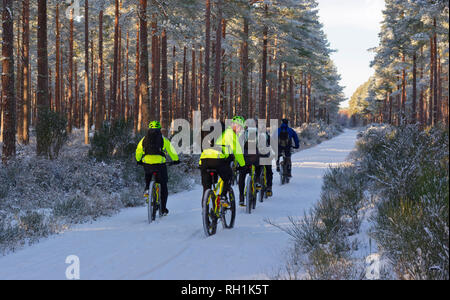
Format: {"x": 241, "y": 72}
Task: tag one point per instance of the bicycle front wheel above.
{"x": 229, "y": 213}
{"x": 209, "y": 216}
{"x": 248, "y": 195}
{"x": 151, "y": 206}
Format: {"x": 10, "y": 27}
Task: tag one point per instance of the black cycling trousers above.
{"x": 250, "y": 160}
{"x": 223, "y": 169}
{"x": 162, "y": 178}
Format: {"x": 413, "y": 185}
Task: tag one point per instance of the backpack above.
{"x": 251, "y": 140}
{"x": 283, "y": 139}
{"x": 154, "y": 143}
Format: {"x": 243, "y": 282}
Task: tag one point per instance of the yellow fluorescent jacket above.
{"x": 230, "y": 141}
{"x": 156, "y": 159}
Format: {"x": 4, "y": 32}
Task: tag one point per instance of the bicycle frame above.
{"x": 217, "y": 190}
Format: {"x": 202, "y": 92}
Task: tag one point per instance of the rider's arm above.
{"x": 294, "y": 135}
{"x": 170, "y": 150}
{"x": 139, "y": 151}
{"x": 237, "y": 150}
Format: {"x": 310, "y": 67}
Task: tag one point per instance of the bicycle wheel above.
{"x": 208, "y": 213}
{"x": 152, "y": 203}
{"x": 229, "y": 214}
{"x": 282, "y": 171}
{"x": 248, "y": 194}
{"x": 261, "y": 193}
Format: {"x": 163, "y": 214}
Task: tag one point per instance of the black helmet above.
{"x": 285, "y": 121}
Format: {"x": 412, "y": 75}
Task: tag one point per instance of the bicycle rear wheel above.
{"x": 208, "y": 213}
{"x": 152, "y": 206}
{"x": 248, "y": 195}
{"x": 229, "y": 213}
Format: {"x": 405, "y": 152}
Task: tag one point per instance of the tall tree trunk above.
{"x": 193, "y": 105}
{"x": 175, "y": 114}
{"x": 113, "y": 94}
{"x": 430, "y": 99}
{"x": 435, "y": 75}
{"x": 164, "y": 84}
{"x": 245, "y": 65}
{"x": 86, "y": 72}
{"x": 262, "y": 103}
{"x": 414, "y": 92}
{"x": 127, "y": 98}
{"x": 205, "y": 106}
{"x": 8, "y": 92}
{"x": 136, "y": 106}
{"x": 26, "y": 70}
{"x": 217, "y": 79}
{"x": 70, "y": 94}
{"x": 42, "y": 64}
{"x": 143, "y": 62}
{"x": 100, "y": 103}
{"x": 403, "y": 97}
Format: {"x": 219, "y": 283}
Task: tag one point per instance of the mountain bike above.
{"x": 153, "y": 199}
{"x": 213, "y": 210}
{"x": 284, "y": 165}
{"x": 250, "y": 191}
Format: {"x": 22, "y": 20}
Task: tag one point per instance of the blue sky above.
{"x": 352, "y": 27}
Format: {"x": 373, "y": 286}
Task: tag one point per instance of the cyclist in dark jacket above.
{"x": 285, "y": 137}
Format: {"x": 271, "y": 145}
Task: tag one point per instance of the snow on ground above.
{"x": 127, "y": 247}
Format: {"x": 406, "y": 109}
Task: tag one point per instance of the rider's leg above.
{"x": 269, "y": 176}
{"x": 242, "y": 175}
{"x": 163, "y": 179}
{"x": 289, "y": 162}
{"x": 206, "y": 178}
{"x": 148, "y": 169}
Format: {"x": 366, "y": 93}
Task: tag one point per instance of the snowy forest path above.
{"x": 125, "y": 246}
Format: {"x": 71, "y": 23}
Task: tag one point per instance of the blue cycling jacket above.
{"x": 292, "y": 134}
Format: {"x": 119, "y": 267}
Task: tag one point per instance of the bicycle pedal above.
{"x": 225, "y": 204}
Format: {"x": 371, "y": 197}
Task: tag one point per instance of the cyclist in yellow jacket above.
{"x": 220, "y": 155}
{"x": 151, "y": 152}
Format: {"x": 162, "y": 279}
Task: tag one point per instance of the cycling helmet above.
{"x": 154, "y": 125}
{"x": 239, "y": 120}
{"x": 285, "y": 121}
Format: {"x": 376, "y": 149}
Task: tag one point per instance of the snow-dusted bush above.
{"x": 53, "y": 133}
{"x": 315, "y": 133}
{"x": 113, "y": 140}
{"x": 408, "y": 171}
{"x": 323, "y": 246}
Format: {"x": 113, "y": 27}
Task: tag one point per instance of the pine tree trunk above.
{"x": 86, "y": 72}
{"x": 137, "y": 106}
{"x": 414, "y": 92}
{"x": 143, "y": 63}
{"x": 245, "y": 65}
{"x": 205, "y": 106}
{"x": 262, "y": 103}
{"x": 70, "y": 95}
{"x": 100, "y": 104}
{"x": 164, "y": 84}
{"x": 435, "y": 75}
{"x": 8, "y": 91}
{"x": 217, "y": 73}
{"x": 113, "y": 93}
{"x": 42, "y": 63}
{"x": 26, "y": 70}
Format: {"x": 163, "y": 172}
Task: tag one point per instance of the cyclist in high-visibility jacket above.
{"x": 220, "y": 155}
{"x": 151, "y": 152}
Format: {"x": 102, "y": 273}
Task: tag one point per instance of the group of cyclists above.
{"x": 237, "y": 145}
